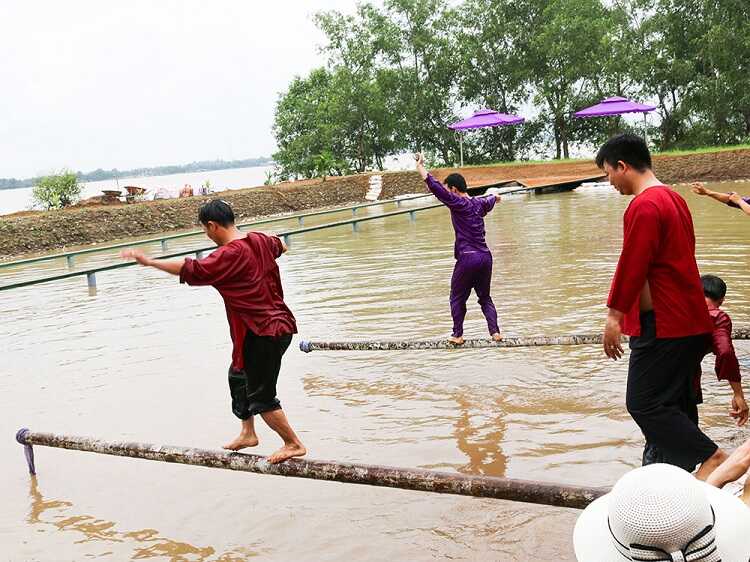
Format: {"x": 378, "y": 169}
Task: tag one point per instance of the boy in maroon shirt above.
{"x": 726, "y": 366}
{"x": 657, "y": 298}
{"x": 243, "y": 269}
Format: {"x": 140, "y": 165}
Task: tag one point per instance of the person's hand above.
{"x": 735, "y": 197}
{"x": 419, "y": 157}
{"x": 498, "y": 198}
{"x": 612, "y": 338}
{"x": 699, "y": 188}
{"x": 739, "y": 409}
{"x": 136, "y": 255}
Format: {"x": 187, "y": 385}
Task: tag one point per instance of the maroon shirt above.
{"x": 659, "y": 247}
{"x": 247, "y": 278}
{"x": 727, "y": 367}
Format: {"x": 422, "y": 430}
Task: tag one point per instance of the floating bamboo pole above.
{"x": 527, "y": 491}
{"x": 523, "y": 341}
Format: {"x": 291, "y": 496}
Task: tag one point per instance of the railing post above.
{"x": 398, "y": 203}
{"x": 91, "y": 280}
{"x": 199, "y": 255}
{"x": 301, "y": 220}
{"x": 164, "y": 245}
{"x": 355, "y": 226}
{"x": 413, "y": 216}
{"x": 354, "y": 211}
{"x": 287, "y": 241}
{"x": 71, "y": 261}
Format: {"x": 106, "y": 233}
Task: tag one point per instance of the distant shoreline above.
{"x": 102, "y": 175}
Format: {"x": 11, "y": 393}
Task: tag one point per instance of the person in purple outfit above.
{"x": 732, "y": 199}
{"x": 473, "y": 269}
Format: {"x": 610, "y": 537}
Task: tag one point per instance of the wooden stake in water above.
{"x": 528, "y": 491}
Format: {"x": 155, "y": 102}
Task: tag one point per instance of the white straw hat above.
{"x": 661, "y": 512}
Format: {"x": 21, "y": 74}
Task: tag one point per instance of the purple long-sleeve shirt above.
{"x": 467, "y": 215}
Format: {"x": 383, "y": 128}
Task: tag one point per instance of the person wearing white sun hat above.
{"x": 661, "y": 513}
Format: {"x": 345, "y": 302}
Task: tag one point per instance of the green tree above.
{"x": 564, "y": 52}
{"x": 58, "y": 190}
{"x": 491, "y": 74}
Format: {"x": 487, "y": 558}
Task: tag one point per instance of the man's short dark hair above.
{"x": 629, "y": 148}
{"x": 714, "y": 287}
{"x": 217, "y": 211}
{"x": 457, "y": 181}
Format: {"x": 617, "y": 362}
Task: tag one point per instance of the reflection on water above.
{"x": 146, "y": 361}
{"x": 144, "y": 544}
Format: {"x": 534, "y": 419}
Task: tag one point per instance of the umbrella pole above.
{"x": 645, "y": 127}
{"x": 461, "y": 147}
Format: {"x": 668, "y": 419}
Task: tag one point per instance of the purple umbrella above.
{"x": 616, "y": 106}
{"x": 480, "y": 119}
{"x": 613, "y": 106}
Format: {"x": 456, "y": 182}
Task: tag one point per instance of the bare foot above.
{"x": 497, "y": 336}
{"x": 456, "y": 340}
{"x": 241, "y": 442}
{"x": 287, "y": 452}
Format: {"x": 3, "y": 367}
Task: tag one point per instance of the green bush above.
{"x": 58, "y": 190}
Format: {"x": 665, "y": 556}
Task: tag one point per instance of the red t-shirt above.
{"x": 247, "y": 277}
{"x": 659, "y": 247}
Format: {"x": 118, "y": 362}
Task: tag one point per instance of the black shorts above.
{"x": 661, "y": 398}
{"x": 253, "y": 389}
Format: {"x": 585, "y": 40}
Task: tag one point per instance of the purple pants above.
{"x": 472, "y": 271}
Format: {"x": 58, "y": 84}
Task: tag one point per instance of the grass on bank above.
{"x": 676, "y": 152}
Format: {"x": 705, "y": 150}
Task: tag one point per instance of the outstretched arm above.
{"x": 442, "y": 193}
{"x": 700, "y": 189}
{"x": 171, "y": 267}
{"x": 732, "y": 199}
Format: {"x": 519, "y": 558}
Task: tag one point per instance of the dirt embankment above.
{"x": 29, "y": 233}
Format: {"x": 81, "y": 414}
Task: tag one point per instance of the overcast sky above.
{"x": 92, "y": 84}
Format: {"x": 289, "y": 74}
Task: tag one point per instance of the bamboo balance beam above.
{"x": 528, "y": 491}
{"x": 522, "y": 341}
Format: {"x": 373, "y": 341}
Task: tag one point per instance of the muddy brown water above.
{"x": 145, "y": 360}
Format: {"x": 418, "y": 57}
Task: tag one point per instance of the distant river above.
{"x": 13, "y": 200}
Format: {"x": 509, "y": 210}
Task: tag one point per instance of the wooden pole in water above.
{"x": 527, "y": 491}
{"x": 523, "y": 341}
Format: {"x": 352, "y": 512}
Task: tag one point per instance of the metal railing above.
{"x": 70, "y": 256}
{"x": 91, "y": 273}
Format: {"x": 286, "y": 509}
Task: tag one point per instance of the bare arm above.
{"x": 172, "y": 267}
{"x": 700, "y": 189}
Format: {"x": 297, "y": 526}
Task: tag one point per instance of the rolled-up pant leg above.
{"x": 482, "y": 283}
{"x": 238, "y": 392}
{"x": 253, "y": 389}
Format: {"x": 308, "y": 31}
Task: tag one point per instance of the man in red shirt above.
{"x": 657, "y": 298}
{"x": 243, "y": 269}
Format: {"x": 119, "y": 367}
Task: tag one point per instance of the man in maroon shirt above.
{"x": 243, "y": 269}
{"x": 657, "y": 298}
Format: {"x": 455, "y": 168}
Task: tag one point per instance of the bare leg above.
{"x": 246, "y": 438}
{"x": 293, "y": 447}
{"x": 711, "y": 464}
